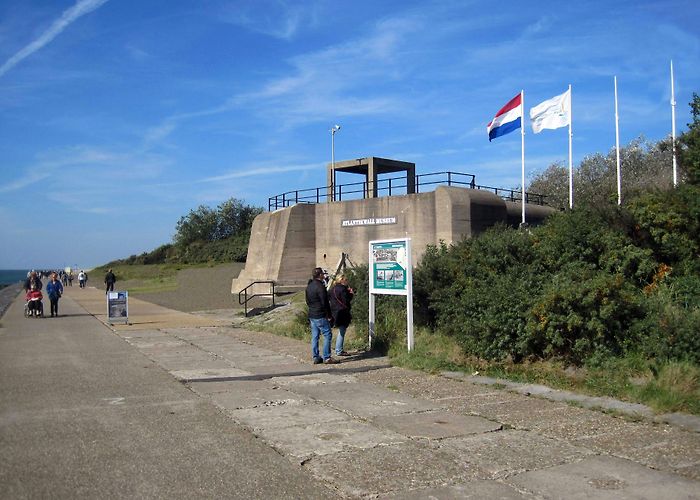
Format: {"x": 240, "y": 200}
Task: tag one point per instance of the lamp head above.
{"x": 335, "y": 128}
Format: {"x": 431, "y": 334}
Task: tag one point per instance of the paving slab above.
{"x": 363, "y": 400}
{"x": 264, "y": 362}
{"x": 436, "y": 424}
{"x": 320, "y": 377}
{"x": 664, "y": 447}
{"x": 520, "y": 412}
{"x": 505, "y": 453}
{"x": 295, "y": 413}
{"x": 157, "y": 344}
{"x": 253, "y": 397}
{"x": 244, "y": 386}
{"x": 327, "y": 438}
{"x": 605, "y": 477}
{"x": 391, "y": 469}
{"x": 477, "y": 490}
{"x": 203, "y": 374}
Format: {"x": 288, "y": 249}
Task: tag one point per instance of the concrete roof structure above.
{"x": 371, "y": 168}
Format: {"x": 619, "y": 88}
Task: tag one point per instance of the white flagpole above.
{"x": 673, "y": 129}
{"x": 571, "y": 163}
{"x": 522, "y": 135}
{"x": 617, "y": 148}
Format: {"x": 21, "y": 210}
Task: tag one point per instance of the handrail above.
{"x": 392, "y": 186}
{"x": 244, "y": 301}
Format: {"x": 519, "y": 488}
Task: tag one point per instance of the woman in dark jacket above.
{"x": 340, "y": 298}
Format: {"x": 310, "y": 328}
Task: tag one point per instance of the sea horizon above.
{"x": 11, "y": 276}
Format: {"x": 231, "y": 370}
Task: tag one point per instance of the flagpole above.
{"x": 522, "y": 135}
{"x": 571, "y": 163}
{"x": 617, "y": 148}
{"x": 673, "y": 129}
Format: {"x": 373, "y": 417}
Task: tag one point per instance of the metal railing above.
{"x": 244, "y": 298}
{"x": 392, "y": 186}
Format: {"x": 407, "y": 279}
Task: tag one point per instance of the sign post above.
{"x": 391, "y": 273}
{"x": 118, "y": 307}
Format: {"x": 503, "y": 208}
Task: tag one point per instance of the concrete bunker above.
{"x": 315, "y": 227}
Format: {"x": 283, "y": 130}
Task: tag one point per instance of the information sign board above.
{"x": 389, "y": 266}
{"x": 118, "y": 307}
{"x": 391, "y": 273}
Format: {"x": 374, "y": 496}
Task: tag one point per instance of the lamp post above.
{"x": 333, "y": 131}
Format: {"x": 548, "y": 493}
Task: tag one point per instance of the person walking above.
{"x": 54, "y": 288}
{"x": 110, "y": 280}
{"x": 340, "y": 301}
{"x": 319, "y": 313}
{"x": 82, "y": 278}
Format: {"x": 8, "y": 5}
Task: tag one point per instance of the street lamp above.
{"x": 334, "y": 129}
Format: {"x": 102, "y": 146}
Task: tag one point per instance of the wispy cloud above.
{"x": 278, "y": 19}
{"x": 86, "y": 166}
{"x": 69, "y": 16}
{"x": 322, "y": 83}
{"x": 262, "y": 170}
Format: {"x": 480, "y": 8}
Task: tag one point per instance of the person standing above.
{"x": 340, "y": 301}
{"x": 319, "y": 313}
{"x": 82, "y": 278}
{"x": 54, "y": 288}
{"x": 110, "y": 280}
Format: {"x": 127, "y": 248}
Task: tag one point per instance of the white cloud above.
{"x": 69, "y": 16}
{"x": 278, "y": 19}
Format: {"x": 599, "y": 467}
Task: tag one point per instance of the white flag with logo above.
{"x": 552, "y": 113}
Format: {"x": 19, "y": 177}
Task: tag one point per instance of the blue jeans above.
{"x": 340, "y": 339}
{"x": 318, "y": 326}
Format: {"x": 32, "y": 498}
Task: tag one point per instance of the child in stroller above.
{"x": 34, "y": 306}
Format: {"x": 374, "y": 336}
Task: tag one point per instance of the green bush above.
{"x": 670, "y": 329}
{"x": 668, "y": 223}
{"x": 589, "y": 283}
{"x": 479, "y": 290}
{"x": 582, "y": 313}
{"x": 390, "y": 312}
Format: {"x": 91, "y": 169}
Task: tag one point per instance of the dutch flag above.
{"x": 508, "y": 118}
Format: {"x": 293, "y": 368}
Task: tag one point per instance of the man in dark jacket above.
{"x": 110, "y": 279}
{"x": 319, "y": 312}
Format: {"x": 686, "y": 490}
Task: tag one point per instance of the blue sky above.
{"x": 119, "y": 116}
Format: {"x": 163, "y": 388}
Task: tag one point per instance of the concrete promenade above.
{"x": 179, "y": 405}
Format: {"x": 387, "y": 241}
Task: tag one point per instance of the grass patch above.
{"x": 144, "y": 278}
{"x": 663, "y": 386}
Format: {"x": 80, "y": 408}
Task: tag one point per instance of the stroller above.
{"x": 33, "y": 306}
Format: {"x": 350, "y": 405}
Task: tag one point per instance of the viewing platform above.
{"x": 374, "y": 187}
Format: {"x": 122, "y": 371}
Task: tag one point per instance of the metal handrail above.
{"x": 243, "y": 301}
{"x": 389, "y": 186}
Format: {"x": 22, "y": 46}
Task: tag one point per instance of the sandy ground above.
{"x": 198, "y": 289}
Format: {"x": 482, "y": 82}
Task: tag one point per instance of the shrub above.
{"x": 670, "y": 328}
{"x": 668, "y": 223}
{"x": 582, "y": 313}
{"x": 390, "y": 312}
